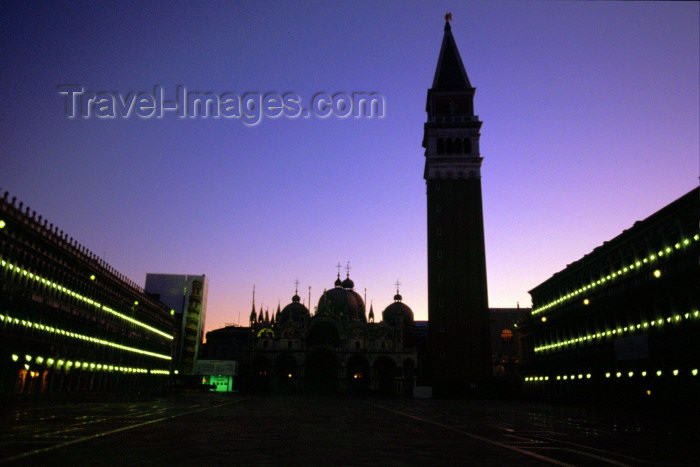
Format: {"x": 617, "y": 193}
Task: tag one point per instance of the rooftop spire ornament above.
{"x": 448, "y": 17}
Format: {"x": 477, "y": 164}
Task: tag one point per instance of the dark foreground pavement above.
{"x": 216, "y": 429}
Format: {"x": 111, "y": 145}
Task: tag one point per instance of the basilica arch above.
{"x": 321, "y": 371}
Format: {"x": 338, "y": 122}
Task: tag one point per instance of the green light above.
{"x": 15, "y": 357}
{"x": 613, "y": 276}
{"x": 675, "y": 372}
{"x": 630, "y": 374}
{"x": 172, "y": 312}
{"x": 618, "y": 374}
{"x": 2, "y": 224}
{"x": 98, "y": 366}
{"x": 657, "y": 273}
{"x": 136, "y": 302}
{"x": 694, "y": 372}
{"x": 87, "y": 300}
{"x": 92, "y": 277}
{"x": 659, "y": 373}
{"x": 28, "y": 358}
{"x": 97, "y": 341}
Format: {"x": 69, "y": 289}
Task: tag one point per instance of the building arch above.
{"x": 321, "y": 371}
{"x": 409, "y": 376}
{"x": 261, "y": 374}
{"x": 358, "y": 374}
{"x": 286, "y": 372}
{"x": 384, "y": 370}
{"x": 323, "y": 332}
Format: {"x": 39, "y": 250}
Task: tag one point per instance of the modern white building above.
{"x": 186, "y": 295}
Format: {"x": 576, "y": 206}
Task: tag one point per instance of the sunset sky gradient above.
{"x": 591, "y": 122}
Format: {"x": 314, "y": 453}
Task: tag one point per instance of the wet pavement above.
{"x": 229, "y": 429}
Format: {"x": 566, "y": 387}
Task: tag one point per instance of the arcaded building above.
{"x": 68, "y": 320}
{"x": 623, "y": 322}
{"x": 338, "y": 349}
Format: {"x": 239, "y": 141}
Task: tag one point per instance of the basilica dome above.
{"x": 397, "y": 310}
{"x": 295, "y": 312}
{"x": 342, "y": 303}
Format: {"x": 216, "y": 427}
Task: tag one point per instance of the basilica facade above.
{"x": 340, "y": 348}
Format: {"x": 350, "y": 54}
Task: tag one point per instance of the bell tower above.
{"x": 458, "y": 322}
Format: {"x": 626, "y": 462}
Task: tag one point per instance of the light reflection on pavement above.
{"x": 334, "y": 430}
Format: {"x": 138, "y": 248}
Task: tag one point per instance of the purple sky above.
{"x": 590, "y": 111}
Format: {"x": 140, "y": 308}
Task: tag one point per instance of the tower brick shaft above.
{"x": 459, "y": 342}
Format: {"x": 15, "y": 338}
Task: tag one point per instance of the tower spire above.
{"x": 450, "y": 72}
{"x": 398, "y": 296}
{"x": 253, "y": 313}
{"x": 458, "y": 331}
{"x": 338, "y": 282}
